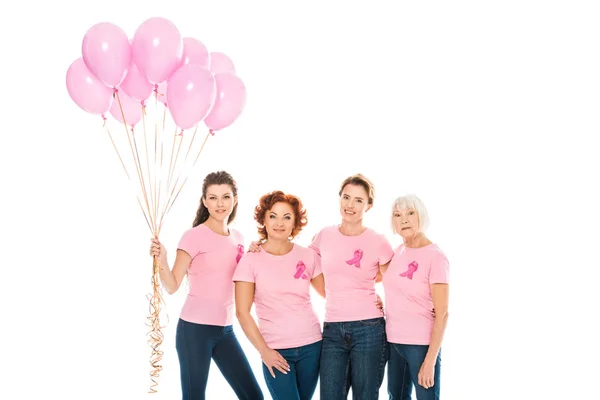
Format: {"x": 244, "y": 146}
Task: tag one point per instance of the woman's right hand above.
{"x": 254, "y": 247}
{"x": 158, "y": 250}
{"x": 272, "y": 359}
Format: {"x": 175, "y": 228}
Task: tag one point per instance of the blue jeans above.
{"x": 403, "y": 372}
{"x": 196, "y": 344}
{"x": 354, "y": 355}
{"x": 301, "y": 381}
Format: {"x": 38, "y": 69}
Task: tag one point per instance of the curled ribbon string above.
{"x": 300, "y": 268}
{"x": 356, "y": 260}
{"x": 240, "y": 253}
{"x": 155, "y": 335}
{"x": 412, "y": 268}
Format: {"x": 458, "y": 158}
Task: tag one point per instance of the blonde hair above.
{"x": 413, "y": 202}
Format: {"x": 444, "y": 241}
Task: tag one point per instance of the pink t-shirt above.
{"x": 286, "y": 318}
{"x": 214, "y": 258}
{"x": 350, "y": 264}
{"x": 408, "y": 303}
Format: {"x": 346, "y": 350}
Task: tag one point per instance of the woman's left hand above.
{"x": 379, "y": 304}
{"x": 426, "y": 374}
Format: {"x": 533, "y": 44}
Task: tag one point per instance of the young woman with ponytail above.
{"x": 209, "y": 253}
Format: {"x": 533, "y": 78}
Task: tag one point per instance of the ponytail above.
{"x": 201, "y": 215}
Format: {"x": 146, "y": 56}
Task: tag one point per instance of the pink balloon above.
{"x": 194, "y": 52}
{"x": 162, "y": 93}
{"x": 107, "y": 53}
{"x": 157, "y": 49}
{"x": 86, "y": 90}
{"x": 229, "y": 103}
{"x": 136, "y": 85}
{"x": 191, "y": 93}
{"x": 132, "y": 109}
{"x": 220, "y": 63}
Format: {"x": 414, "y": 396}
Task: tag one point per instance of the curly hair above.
{"x": 267, "y": 202}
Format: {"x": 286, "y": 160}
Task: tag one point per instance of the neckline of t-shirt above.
{"x": 419, "y": 248}
{"x": 217, "y": 234}
{"x": 337, "y": 228}
{"x": 280, "y": 255}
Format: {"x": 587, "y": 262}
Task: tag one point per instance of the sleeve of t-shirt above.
{"x": 385, "y": 252}
{"x": 439, "y": 270}
{"x": 317, "y": 265}
{"x": 316, "y": 243}
{"x": 243, "y": 271}
{"x": 190, "y": 243}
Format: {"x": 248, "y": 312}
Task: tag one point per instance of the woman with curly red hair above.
{"x": 277, "y": 280}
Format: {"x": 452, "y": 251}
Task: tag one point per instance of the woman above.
{"x": 354, "y": 339}
{"x": 209, "y": 253}
{"x": 278, "y": 280}
{"x": 415, "y": 282}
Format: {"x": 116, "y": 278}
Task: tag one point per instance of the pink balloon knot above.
{"x": 104, "y": 119}
{"x": 144, "y": 103}
{"x": 180, "y": 133}
{"x": 211, "y": 132}
{"x": 156, "y": 89}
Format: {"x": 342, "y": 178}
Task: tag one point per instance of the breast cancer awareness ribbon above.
{"x": 300, "y": 268}
{"x": 240, "y": 253}
{"x": 356, "y": 260}
{"x": 412, "y": 268}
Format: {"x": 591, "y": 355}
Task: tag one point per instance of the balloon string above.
{"x": 155, "y": 335}
{"x": 185, "y": 180}
{"x": 136, "y": 160}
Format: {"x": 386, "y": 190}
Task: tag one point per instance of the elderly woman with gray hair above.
{"x": 415, "y": 282}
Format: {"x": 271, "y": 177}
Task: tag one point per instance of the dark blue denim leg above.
{"x": 307, "y": 369}
{"x": 335, "y": 361}
{"x": 398, "y": 378}
{"x": 194, "y": 344}
{"x": 367, "y": 357}
{"x": 414, "y": 356}
{"x": 301, "y": 381}
{"x": 283, "y": 386}
{"x": 234, "y": 366}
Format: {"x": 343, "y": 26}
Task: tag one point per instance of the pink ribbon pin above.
{"x": 300, "y": 268}
{"x": 356, "y": 260}
{"x": 412, "y": 268}
{"x": 240, "y": 253}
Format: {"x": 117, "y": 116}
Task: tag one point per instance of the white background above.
{"x": 487, "y": 110}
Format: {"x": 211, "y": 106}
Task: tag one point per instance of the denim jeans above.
{"x": 197, "y": 344}
{"x": 301, "y": 381}
{"x": 354, "y": 356}
{"x": 403, "y": 372}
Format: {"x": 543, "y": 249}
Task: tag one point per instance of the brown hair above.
{"x": 215, "y": 178}
{"x": 360, "y": 180}
{"x": 267, "y": 202}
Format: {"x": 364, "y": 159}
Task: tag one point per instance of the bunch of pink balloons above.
{"x": 194, "y": 84}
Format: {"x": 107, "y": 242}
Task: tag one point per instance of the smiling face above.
{"x": 280, "y": 221}
{"x": 219, "y": 201}
{"x": 354, "y": 202}
{"x": 406, "y": 222}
